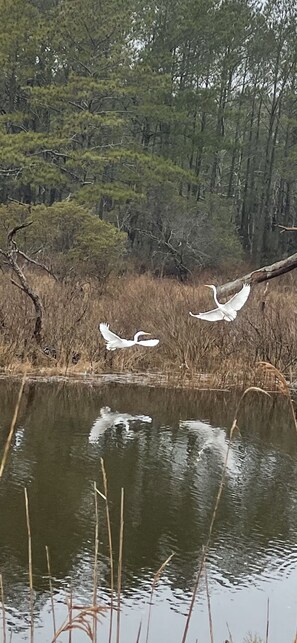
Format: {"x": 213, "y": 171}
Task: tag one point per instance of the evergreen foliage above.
{"x": 174, "y": 122}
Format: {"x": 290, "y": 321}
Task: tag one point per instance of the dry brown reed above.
{"x": 278, "y": 383}
{"x": 70, "y": 616}
{"x": 120, "y": 566}
{"x": 3, "y": 609}
{"x": 80, "y": 621}
{"x": 96, "y": 549}
{"x": 107, "y": 513}
{"x": 267, "y": 623}
{"x": 154, "y": 584}
{"x": 208, "y": 604}
{"x": 265, "y": 330}
{"x": 50, "y": 586}
{"x": 12, "y": 427}
{"x": 30, "y": 569}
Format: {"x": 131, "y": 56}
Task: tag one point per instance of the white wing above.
{"x": 237, "y": 301}
{"x": 211, "y": 315}
{"x": 148, "y": 342}
{"x": 113, "y": 340}
{"x": 108, "y": 335}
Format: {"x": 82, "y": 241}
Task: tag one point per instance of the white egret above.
{"x": 113, "y": 341}
{"x": 227, "y": 311}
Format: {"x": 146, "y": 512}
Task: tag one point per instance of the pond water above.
{"x": 167, "y": 449}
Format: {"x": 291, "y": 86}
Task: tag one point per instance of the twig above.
{"x": 12, "y": 426}
{"x": 50, "y": 586}
{"x": 30, "y": 566}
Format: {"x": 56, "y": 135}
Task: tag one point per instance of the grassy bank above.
{"x": 265, "y": 329}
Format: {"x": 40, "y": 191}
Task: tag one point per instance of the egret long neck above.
{"x": 215, "y": 296}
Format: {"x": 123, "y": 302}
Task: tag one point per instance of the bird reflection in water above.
{"x": 109, "y": 419}
{"x": 212, "y": 441}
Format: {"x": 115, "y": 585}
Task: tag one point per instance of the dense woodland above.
{"x": 161, "y": 131}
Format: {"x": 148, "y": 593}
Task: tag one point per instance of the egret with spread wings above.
{"x": 227, "y": 311}
{"x": 113, "y": 341}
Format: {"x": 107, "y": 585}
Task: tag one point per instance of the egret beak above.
{"x": 207, "y": 286}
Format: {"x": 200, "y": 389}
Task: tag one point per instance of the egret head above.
{"x": 137, "y": 335}
{"x": 211, "y": 286}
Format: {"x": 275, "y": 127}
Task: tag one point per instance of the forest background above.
{"x": 153, "y": 137}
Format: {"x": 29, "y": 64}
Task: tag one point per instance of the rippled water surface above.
{"x": 167, "y": 450}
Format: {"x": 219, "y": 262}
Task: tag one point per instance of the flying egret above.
{"x": 227, "y": 311}
{"x": 113, "y": 341}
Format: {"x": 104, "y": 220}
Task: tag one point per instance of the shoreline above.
{"x": 202, "y": 382}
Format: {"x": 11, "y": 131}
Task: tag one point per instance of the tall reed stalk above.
{"x": 30, "y": 567}
{"x": 208, "y": 604}
{"x": 50, "y": 586}
{"x": 109, "y": 547}
{"x": 120, "y": 565}
{"x": 154, "y": 583}
{"x": 96, "y": 547}
{"x": 3, "y": 609}
{"x": 12, "y": 427}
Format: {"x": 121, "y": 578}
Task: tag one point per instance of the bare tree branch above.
{"x": 37, "y": 263}
{"x": 15, "y": 283}
{"x": 14, "y": 230}
{"x": 285, "y": 228}
{"x": 11, "y": 255}
{"x": 260, "y": 275}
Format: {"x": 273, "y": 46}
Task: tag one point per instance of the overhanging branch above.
{"x": 260, "y": 275}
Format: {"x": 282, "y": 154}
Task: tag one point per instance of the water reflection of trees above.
{"x": 170, "y": 469}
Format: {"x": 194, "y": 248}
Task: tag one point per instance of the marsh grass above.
{"x": 265, "y": 330}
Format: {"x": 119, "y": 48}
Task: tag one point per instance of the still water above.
{"x": 167, "y": 450}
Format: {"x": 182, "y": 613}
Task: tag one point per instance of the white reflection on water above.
{"x": 19, "y": 438}
{"x": 213, "y": 441}
{"x": 109, "y": 419}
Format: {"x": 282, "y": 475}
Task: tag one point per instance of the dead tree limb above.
{"x": 37, "y": 263}
{"x": 261, "y": 274}
{"x": 11, "y": 255}
{"x": 285, "y": 228}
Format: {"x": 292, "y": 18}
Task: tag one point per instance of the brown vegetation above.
{"x": 265, "y": 330}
